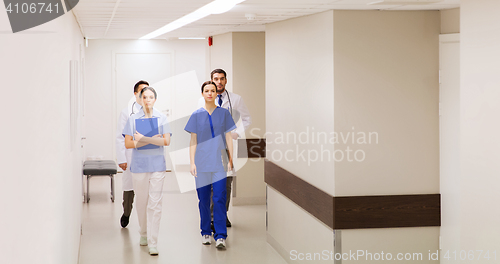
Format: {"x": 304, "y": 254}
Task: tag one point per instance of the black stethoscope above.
{"x": 230, "y": 105}
{"x": 133, "y": 109}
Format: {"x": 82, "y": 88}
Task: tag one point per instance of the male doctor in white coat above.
{"x": 234, "y": 103}
{"x": 124, "y": 156}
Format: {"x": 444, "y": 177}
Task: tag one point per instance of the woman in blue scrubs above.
{"x": 210, "y": 128}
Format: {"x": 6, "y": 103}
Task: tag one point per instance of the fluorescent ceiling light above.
{"x": 215, "y": 7}
{"x": 191, "y": 38}
{"x": 405, "y": 2}
{"x": 222, "y": 6}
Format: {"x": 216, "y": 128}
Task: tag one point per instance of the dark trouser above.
{"x": 128, "y": 200}
{"x": 229, "y": 180}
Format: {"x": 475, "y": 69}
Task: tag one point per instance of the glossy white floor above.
{"x": 104, "y": 241}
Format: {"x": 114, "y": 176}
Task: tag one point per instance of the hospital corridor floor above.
{"x": 104, "y": 241}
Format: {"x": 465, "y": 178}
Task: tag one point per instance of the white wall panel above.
{"x": 41, "y": 193}
{"x": 479, "y": 126}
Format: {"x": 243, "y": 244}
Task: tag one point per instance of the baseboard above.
{"x": 355, "y": 212}
{"x": 239, "y": 201}
{"x": 280, "y": 249}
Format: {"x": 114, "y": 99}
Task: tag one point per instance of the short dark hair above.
{"x": 136, "y": 86}
{"x": 217, "y": 71}
{"x": 148, "y": 88}
{"x": 207, "y": 83}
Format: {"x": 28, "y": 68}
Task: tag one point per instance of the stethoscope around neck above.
{"x": 132, "y": 113}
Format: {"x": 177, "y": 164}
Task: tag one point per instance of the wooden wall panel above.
{"x": 356, "y": 212}
{"x": 256, "y": 148}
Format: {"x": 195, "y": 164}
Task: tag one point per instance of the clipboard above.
{"x": 147, "y": 127}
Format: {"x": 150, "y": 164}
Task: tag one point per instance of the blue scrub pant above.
{"x": 205, "y": 182}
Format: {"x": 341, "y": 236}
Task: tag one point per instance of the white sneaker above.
{"x": 205, "y": 240}
{"x": 153, "y": 251}
{"x": 144, "y": 241}
{"x": 220, "y": 243}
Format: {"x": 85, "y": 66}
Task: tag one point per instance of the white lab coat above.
{"x": 235, "y": 103}
{"x": 124, "y": 155}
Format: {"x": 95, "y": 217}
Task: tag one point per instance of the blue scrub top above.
{"x": 147, "y": 160}
{"x": 210, "y": 134}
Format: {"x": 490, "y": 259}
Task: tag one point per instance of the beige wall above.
{"x": 249, "y": 49}
{"x": 400, "y": 245}
{"x": 386, "y": 81}
{"x": 41, "y": 184}
{"x": 479, "y": 126}
{"x": 450, "y": 21}
{"x": 250, "y": 83}
{"x": 221, "y": 56}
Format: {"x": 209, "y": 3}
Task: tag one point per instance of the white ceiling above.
{"x": 132, "y": 19}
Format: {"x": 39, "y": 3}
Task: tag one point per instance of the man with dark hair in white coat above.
{"x": 124, "y": 156}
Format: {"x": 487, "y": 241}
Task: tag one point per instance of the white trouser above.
{"x": 127, "y": 181}
{"x": 148, "y": 188}
{"x": 127, "y": 175}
